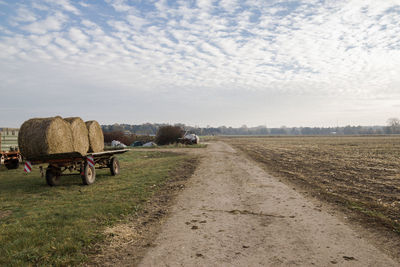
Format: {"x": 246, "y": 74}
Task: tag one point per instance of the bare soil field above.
{"x": 361, "y": 174}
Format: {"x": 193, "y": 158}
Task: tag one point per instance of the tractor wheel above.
{"x": 14, "y": 164}
{"x": 52, "y": 177}
{"x": 114, "y": 166}
{"x": 89, "y": 175}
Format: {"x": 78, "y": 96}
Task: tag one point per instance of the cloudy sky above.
{"x": 201, "y": 62}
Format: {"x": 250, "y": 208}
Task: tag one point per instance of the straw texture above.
{"x": 96, "y": 137}
{"x": 44, "y": 136}
{"x": 80, "y": 135}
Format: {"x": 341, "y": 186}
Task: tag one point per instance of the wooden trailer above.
{"x": 86, "y": 165}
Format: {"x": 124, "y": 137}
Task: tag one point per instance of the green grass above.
{"x": 184, "y": 146}
{"x": 208, "y": 138}
{"x": 174, "y": 146}
{"x": 42, "y": 225}
{"x": 360, "y": 207}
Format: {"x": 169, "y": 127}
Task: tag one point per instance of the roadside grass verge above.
{"x": 207, "y": 138}
{"x": 173, "y": 146}
{"x": 60, "y": 226}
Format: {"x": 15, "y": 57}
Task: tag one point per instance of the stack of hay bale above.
{"x": 45, "y": 136}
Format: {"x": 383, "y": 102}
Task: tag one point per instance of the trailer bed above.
{"x": 72, "y": 156}
{"x": 75, "y": 161}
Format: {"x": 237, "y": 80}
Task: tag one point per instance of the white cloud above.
{"x": 229, "y": 5}
{"x": 89, "y": 24}
{"x": 161, "y": 6}
{"x": 136, "y": 21}
{"x": 57, "y": 51}
{"x": 25, "y": 15}
{"x": 120, "y": 5}
{"x": 41, "y": 7}
{"x": 84, "y": 4}
{"x": 51, "y": 23}
{"x": 7, "y": 51}
{"x": 337, "y": 49}
{"x": 77, "y": 36}
{"x": 205, "y": 4}
{"x": 66, "y": 45}
{"x": 120, "y": 26}
{"x": 41, "y": 40}
{"x": 65, "y": 5}
{"x": 5, "y": 30}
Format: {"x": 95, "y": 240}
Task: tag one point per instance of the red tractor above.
{"x": 9, "y": 152}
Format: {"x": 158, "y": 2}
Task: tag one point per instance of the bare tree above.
{"x": 393, "y": 125}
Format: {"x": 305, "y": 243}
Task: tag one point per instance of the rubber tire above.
{"x": 89, "y": 175}
{"x": 114, "y": 166}
{"x": 13, "y": 165}
{"x": 52, "y": 178}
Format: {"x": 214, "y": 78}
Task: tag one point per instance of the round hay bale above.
{"x": 44, "y": 136}
{"x": 80, "y": 134}
{"x": 96, "y": 137}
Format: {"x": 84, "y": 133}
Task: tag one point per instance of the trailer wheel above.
{"x": 52, "y": 177}
{"x": 14, "y": 164}
{"x": 114, "y": 166}
{"x": 89, "y": 175}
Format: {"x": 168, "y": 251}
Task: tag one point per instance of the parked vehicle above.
{"x": 189, "y": 139}
{"x": 116, "y": 143}
{"x": 137, "y": 143}
{"x": 9, "y": 152}
{"x": 150, "y": 144}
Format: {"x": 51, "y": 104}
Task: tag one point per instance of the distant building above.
{"x": 9, "y": 139}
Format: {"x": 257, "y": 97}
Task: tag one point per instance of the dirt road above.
{"x": 232, "y": 213}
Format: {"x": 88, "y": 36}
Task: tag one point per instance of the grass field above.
{"x": 360, "y": 173}
{"x": 176, "y": 145}
{"x": 59, "y": 226}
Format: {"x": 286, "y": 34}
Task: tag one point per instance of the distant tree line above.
{"x": 150, "y": 129}
{"x": 125, "y": 137}
{"x": 141, "y": 129}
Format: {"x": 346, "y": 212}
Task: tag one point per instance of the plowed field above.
{"x": 359, "y": 173}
